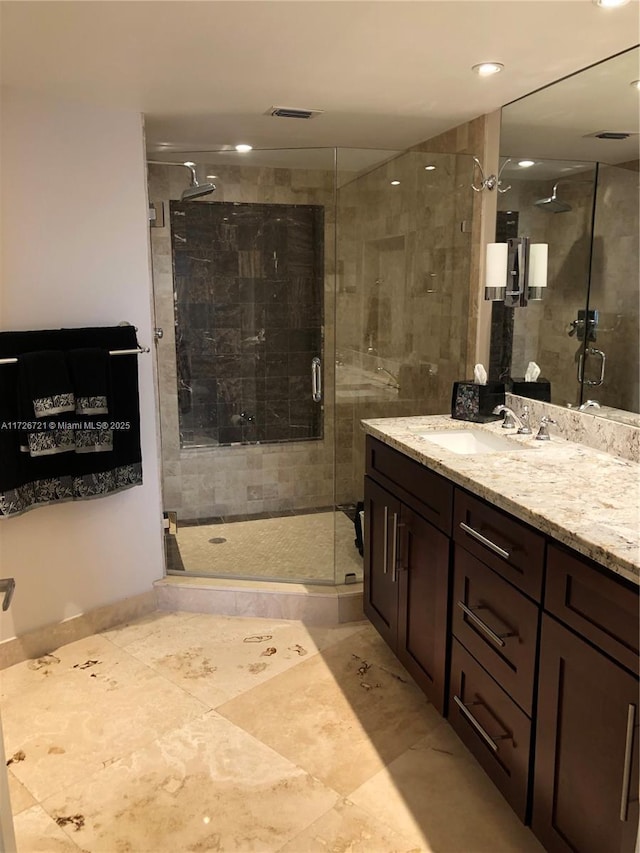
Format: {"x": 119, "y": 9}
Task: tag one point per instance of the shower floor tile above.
{"x": 333, "y": 749}
{"x": 296, "y": 548}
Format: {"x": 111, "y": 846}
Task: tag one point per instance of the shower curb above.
{"x": 312, "y": 604}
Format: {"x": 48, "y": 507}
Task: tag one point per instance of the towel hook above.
{"x": 493, "y": 181}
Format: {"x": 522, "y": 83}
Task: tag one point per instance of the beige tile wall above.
{"x": 403, "y": 297}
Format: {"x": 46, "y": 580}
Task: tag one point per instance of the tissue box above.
{"x": 539, "y": 390}
{"x": 471, "y": 402}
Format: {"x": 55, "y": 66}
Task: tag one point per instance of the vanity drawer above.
{"x": 505, "y": 544}
{"x": 491, "y": 726}
{"x": 497, "y": 624}
{"x": 429, "y": 494}
{"x": 598, "y": 605}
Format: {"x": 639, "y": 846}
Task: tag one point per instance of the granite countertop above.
{"x": 587, "y": 499}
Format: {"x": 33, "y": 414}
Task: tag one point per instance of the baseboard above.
{"x": 44, "y": 640}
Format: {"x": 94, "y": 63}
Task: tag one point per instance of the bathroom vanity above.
{"x": 506, "y": 581}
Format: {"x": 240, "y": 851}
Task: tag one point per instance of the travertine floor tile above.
{"x": 20, "y": 798}
{"x": 85, "y": 705}
{"x": 348, "y": 712}
{"x": 37, "y": 832}
{"x": 157, "y": 621}
{"x": 218, "y": 657}
{"x": 438, "y": 797}
{"x": 348, "y": 829}
{"x": 207, "y": 786}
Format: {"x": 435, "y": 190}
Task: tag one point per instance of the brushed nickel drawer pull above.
{"x": 482, "y": 625}
{"x": 480, "y": 729}
{"x": 394, "y": 552}
{"x": 626, "y": 773}
{"x": 386, "y": 539}
{"x": 484, "y": 541}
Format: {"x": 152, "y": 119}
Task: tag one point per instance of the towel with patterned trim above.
{"x": 46, "y": 396}
{"x": 89, "y": 371}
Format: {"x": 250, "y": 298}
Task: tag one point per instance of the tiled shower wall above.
{"x": 242, "y": 479}
{"x": 248, "y": 284}
{"x": 403, "y": 297}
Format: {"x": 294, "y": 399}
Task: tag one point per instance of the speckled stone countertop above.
{"x": 582, "y": 497}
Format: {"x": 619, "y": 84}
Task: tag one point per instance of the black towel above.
{"x": 89, "y": 370}
{"x": 27, "y": 482}
{"x": 45, "y": 382}
{"x": 45, "y": 399}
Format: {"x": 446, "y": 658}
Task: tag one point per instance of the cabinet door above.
{"x": 586, "y": 767}
{"x": 423, "y": 606}
{"x": 381, "y": 520}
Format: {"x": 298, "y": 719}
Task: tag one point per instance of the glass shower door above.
{"x": 403, "y": 297}
{"x": 243, "y": 283}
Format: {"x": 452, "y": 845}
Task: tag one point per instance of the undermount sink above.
{"x": 470, "y": 441}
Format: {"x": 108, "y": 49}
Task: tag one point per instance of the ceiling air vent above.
{"x": 611, "y": 134}
{"x": 289, "y": 112}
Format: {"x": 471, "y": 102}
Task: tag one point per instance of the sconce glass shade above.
{"x": 495, "y": 271}
{"x": 538, "y": 262}
{"x": 528, "y": 260}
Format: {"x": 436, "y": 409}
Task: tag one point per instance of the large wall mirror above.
{"x": 569, "y": 160}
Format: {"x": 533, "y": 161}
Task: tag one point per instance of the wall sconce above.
{"x": 492, "y": 181}
{"x": 515, "y": 271}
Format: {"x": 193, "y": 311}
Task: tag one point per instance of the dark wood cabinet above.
{"x": 380, "y": 583}
{"x": 530, "y": 648}
{"x": 406, "y": 577}
{"x": 423, "y": 578}
{"x": 586, "y": 766}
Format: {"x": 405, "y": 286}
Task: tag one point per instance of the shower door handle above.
{"x": 316, "y": 379}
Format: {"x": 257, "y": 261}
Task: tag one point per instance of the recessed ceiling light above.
{"x": 610, "y": 4}
{"x": 526, "y": 163}
{"x": 635, "y": 84}
{"x": 243, "y": 148}
{"x": 486, "y": 69}
{"x": 429, "y": 168}
{"x": 394, "y": 183}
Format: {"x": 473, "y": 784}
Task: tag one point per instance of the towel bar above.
{"x": 136, "y": 351}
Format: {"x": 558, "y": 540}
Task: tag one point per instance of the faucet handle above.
{"x": 543, "y": 432}
{"x": 525, "y": 428}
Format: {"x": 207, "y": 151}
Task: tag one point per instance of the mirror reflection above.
{"x": 570, "y": 180}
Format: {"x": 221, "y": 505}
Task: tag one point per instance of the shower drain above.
{"x": 217, "y": 540}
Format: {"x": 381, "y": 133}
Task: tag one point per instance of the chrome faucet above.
{"x": 589, "y": 404}
{"x": 543, "y": 432}
{"x": 511, "y": 420}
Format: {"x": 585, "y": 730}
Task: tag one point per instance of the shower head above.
{"x": 553, "y": 204}
{"x": 195, "y": 190}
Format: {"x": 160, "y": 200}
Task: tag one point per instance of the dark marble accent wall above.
{"x": 501, "y": 345}
{"x": 248, "y": 297}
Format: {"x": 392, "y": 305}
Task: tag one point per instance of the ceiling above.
{"x": 560, "y": 121}
{"x": 386, "y": 74}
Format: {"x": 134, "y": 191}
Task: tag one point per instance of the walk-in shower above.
{"x": 316, "y": 287}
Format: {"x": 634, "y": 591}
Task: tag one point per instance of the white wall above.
{"x": 75, "y": 253}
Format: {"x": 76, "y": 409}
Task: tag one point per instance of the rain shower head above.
{"x": 194, "y": 190}
{"x": 553, "y": 204}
